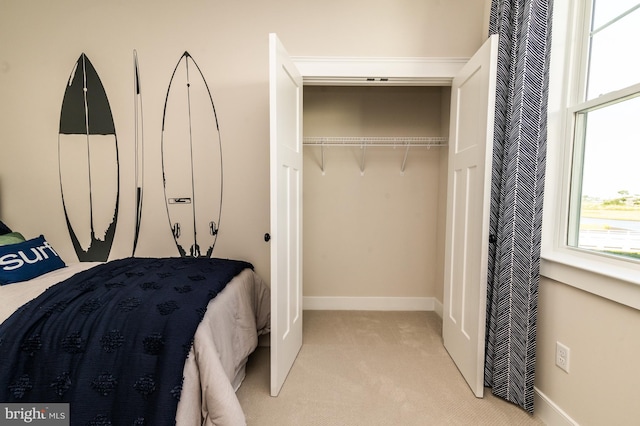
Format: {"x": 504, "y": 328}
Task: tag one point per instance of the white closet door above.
{"x": 285, "y": 97}
{"x": 468, "y": 199}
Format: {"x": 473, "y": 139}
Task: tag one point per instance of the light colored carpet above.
{"x": 371, "y": 368}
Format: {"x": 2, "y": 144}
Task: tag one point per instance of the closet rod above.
{"x": 364, "y": 141}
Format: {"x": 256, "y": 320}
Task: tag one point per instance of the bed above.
{"x": 225, "y": 335}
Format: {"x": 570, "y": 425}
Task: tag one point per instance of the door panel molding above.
{"x": 285, "y": 102}
{"x": 467, "y": 228}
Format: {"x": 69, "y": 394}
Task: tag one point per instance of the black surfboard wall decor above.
{"x": 139, "y": 148}
{"x": 88, "y": 163}
{"x": 191, "y": 161}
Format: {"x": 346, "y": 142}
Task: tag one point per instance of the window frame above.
{"x": 609, "y": 276}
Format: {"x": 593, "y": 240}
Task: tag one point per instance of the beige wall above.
{"x": 604, "y": 340}
{"x": 40, "y": 41}
{"x": 372, "y": 234}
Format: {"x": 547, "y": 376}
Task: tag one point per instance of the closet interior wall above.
{"x": 372, "y": 229}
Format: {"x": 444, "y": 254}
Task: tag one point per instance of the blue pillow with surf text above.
{"x": 27, "y": 260}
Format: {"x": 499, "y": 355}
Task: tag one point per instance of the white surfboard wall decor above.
{"x": 88, "y": 163}
{"x": 191, "y": 161}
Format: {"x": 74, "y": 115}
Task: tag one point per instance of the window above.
{"x": 592, "y": 192}
{"x": 604, "y": 212}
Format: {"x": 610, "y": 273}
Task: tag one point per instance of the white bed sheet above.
{"x": 223, "y": 341}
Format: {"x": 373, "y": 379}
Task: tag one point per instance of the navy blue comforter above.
{"x": 112, "y": 341}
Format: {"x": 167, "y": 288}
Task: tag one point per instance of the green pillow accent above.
{"x": 11, "y": 238}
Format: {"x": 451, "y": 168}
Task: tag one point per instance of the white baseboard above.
{"x": 371, "y": 304}
{"x": 549, "y": 412}
{"x": 437, "y": 306}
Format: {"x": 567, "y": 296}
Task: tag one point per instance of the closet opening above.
{"x": 374, "y": 196}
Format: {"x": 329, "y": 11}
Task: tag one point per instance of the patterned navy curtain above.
{"x": 519, "y": 152}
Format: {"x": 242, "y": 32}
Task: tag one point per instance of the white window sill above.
{"x": 615, "y": 280}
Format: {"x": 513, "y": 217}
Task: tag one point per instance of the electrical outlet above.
{"x": 562, "y": 356}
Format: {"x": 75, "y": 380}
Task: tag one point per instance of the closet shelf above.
{"x": 367, "y": 141}
{"x": 376, "y": 141}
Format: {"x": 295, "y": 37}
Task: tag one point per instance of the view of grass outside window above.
{"x": 605, "y": 192}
